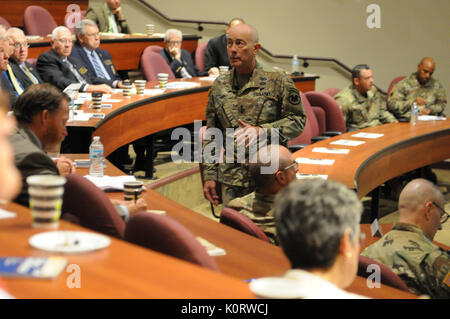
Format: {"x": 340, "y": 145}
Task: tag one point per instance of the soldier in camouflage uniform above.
{"x": 258, "y": 205}
{"x": 248, "y": 99}
{"x": 419, "y": 87}
{"x": 361, "y": 103}
{"x": 408, "y": 249}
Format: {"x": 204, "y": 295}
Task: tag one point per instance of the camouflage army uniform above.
{"x": 407, "y": 90}
{"x": 423, "y": 266}
{"x": 258, "y": 208}
{"x": 269, "y": 100}
{"x": 359, "y": 111}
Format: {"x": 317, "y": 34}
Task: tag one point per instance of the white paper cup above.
{"x": 163, "y": 78}
{"x": 132, "y": 190}
{"x": 150, "y": 29}
{"x": 45, "y": 192}
{"x": 96, "y": 101}
{"x": 140, "y": 86}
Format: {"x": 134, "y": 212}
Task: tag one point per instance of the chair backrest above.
{"x": 321, "y": 118}
{"x": 69, "y": 19}
{"x": 332, "y": 91}
{"x": 167, "y": 236}
{"x": 311, "y": 128}
{"x": 152, "y": 64}
{"x": 393, "y": 82}
{"x": 200, "y": 56}
{"x": 155, "y": 48}
{"x": 90, "y": 205}
{"x": 334, "y": 117}
{"x": 236, "y": 220}
{"x": 388, "y": 277}
{"x": 38, "y": 21}
{"x": 5, "y": 23}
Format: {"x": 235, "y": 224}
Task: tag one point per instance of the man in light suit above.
{"x": 58, "y": 68}
{"x": 23, "y": 71}
{"x": 109, "y": 17}
{"x": 98, "y": 62}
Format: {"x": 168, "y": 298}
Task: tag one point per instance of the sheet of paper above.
{"x": 307, "y": 176}
{"x": 315, "y": 161}
{"x": 6, "y": 214}
{"x": 431, "y": 118}
{"x": 110, "y": 182}
{"x": 367, "y": 135}
{"x": 347, "y": 142}
{"x": 81, "y": 116}
{"x": 331, "y": 150}
{"x": 182, "y": 85}
{"x": 212, "y": 249}
{"x": 208, "y": 78}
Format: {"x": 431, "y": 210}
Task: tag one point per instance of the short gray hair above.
{"x": 57, "y": 30}
{"x": 311, "y": 217}
{"x": 170, "y": 31}
{"x": 14, "y": 30}
{"x": 81, "y": 28}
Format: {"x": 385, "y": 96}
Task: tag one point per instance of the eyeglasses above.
{"x": 444, "y": 214}
{"x": 174, "y": 42}
{"x": 239, "y": 43}
{"x": 18, "y": 45}
{"x": 64, "y": 40}
{"x": 93, "y": 34}
{"x": 295, "y": 164}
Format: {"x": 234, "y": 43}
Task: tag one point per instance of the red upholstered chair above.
{"x": 388, "y": 277}
{"x": 200, "y": 56}
{"x": 68, "y": 20}
{"x": 89, "y": 205}
{"x": 5, "y": 23}
{"x": 167, "y": 236}
{"x": 152, "y": 64}
{"x": 155, "y": 48}
{"x": 393, "y": 82}
{"x": 38, "y": 21}
{"x": 334, "y": 118}
{"x": 236, "y": 220}
{"x": 332, "y": 91}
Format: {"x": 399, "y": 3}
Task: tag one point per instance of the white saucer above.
{"x": 275, "y": 288}
{"x": 69, "y": 241}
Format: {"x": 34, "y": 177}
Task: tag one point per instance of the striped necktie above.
{"x": 80, "y": 79}
{"x": 17, "y": 86}
{"x": 97, "y": 67}
{"x": 28, "y": 72}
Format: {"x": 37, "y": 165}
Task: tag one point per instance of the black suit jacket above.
{"x": 216, "y": 53}
{"x": 186, "y": 61}
{"x": 79, "y": 53}
{"x": 6, "y": 86}
{"x": 22, "y": 76}
{"x": 53, "y": 70}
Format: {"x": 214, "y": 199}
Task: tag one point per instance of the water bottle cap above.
{"x": 96, "y": 138}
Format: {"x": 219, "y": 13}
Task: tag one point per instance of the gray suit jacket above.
{"x": 30, "y": 159}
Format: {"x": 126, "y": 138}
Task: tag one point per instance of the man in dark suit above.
{"x": 216, "y": 53}
{"x": 179, "y": 60}
{"x": 98, "y": 62}
{"x": 24, "y": 72}
{"x": 58, "y": 68}
{"x": 5, "y": 81}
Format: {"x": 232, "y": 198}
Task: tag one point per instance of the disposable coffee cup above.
{"x": 163, "y": 78}
{"x": 45, "y": 193}
{"x": 223, "y": 69}
{"x": 97, "y": 101}
{"x": 126, "y": 88}
{"x": 150, "y": 29}
{"x": 132, "y": 190}
{"x": 140, "y": 86}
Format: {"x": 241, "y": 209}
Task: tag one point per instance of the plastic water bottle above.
{"x": 295, "y": 64}
{"x": 414, "y": 114}
{"x": 96, "y": 158}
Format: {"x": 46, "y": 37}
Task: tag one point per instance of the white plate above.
{"x": 69, "y": 241}
{"x": 276, "y": 288}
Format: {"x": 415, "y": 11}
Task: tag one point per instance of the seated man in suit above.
{"x": 6, "y": 82}
{"x": 109, "y": 17}
{"x": 408, "y": 248}
{"x": 419, "y": 87}
{"x": 216, "y": 53}
{"x": 361, "y": 103}
{"x": 281, "y": 169}
{"x": 98, "y": 62}
{"x": 60, "y": 69}
{"x": 25, "y": 73}
{"x": 42, "y": 112}
{"x": 179, "y": 60}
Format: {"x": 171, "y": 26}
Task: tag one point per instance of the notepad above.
{"x": 316, "y": 161}
{"x": 347, "y": 142}
{"x": 211, "y": 249}
{"x": 331, "y": 150}
{"x": 32, "y": 267}
{"x": 182, "y": 85}
{"x": 308, "y": 176}
{"x": 110, "y": 183}
{"x": 431, "y": 118}
{"x": 368, "y": 135}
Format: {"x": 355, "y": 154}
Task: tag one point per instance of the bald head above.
{"x": 425, "y": 70}
{"x": 234, "y": 22}
{"x": 20, "y": 44}
{"x": 245, "y": 30}
{"x": 242, "y": 47}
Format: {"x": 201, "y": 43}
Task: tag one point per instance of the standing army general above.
{"x": 248, "y": 98}
{"x": 419, "y": 87}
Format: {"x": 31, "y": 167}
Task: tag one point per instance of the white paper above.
{"x": 182, "y": 85}
{"x": 208, "y": 78}
{"x": 368, "y": 135}
{"x": 331, "y": 150}
{"x": 6, "y": 214}
{"x": 316, "y": 161}
{"x": 81, "y": 116}
{"x": 110, "y": 182}
{"x": 307, "y": 176}
{"x": 211, "y": 249}
{"x": 431, "y": 118}
{"x": 347, "y": 142}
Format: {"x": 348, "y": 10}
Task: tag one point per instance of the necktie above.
{"x": 17, "y": 86}
{"x": 28, "y": 72}
{"x": 97, "y": 67}
{"x": 80, "y": 79}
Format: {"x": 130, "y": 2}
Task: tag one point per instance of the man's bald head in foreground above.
{"x": 425, "y": 69}
{"x": 417, "y": 205}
